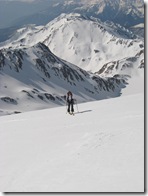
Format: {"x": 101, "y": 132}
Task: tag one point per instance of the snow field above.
{"x": 100, "y": 149}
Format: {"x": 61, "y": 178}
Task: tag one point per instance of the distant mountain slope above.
{"x": 94, "y": 59}
{"x": 131, "y": 66}
{"x": 34, "y": 78}
{"x": 126, "y": 13}
{"x": 85, "y": 42}
{"x": 19, "y": 13}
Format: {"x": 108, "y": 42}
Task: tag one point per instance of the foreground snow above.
{"x": 100, "y": 149}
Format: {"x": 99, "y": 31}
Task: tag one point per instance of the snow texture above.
{"x": 99, "y": 149}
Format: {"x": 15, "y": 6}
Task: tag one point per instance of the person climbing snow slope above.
{"x": 70, "y": 102}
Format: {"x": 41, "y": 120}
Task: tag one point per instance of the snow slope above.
{"x": 100, "y": 149}
{"x": 85, "y": 42}
{"x": 34, "y": 78}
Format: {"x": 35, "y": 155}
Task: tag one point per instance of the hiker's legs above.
{"x": 68, "y": 109}
{"x": 72, "y": 109}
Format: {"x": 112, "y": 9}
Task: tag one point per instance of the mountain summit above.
{"x": 93, "y": 59}
{"x": 84, "y": 41}
{"x": 34, "y": 78}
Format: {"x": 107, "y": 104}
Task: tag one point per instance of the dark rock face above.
{"x": 47, "y": 69}
{"x": 9, "y": 100}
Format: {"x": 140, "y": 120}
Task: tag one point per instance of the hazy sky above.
{"x": 10, "y": 10}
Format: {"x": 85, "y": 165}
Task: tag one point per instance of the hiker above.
{"x": 70, "y": 102}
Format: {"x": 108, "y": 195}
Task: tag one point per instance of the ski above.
{"x": 71, "y": 113}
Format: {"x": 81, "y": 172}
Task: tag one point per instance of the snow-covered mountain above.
{"x": 127, "y": 66}
{"x": 85, "y": 42}
{"x": 98, "y": 59}
{"x": 100, "y": 149}
{"x": 34, "y": 78}
{"x": 14, "y": 14}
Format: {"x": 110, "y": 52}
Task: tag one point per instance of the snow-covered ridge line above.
{"x": 72, "y": 47}
{"x": 31, "y": 30}
{"x": 36, "y": 78}
{"x": 83, "y": 41}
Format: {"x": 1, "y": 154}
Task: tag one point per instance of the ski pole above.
{"x": 66, "y": 107}
{"x": 65, "y": 103}
{"x": 77, "y": 107}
